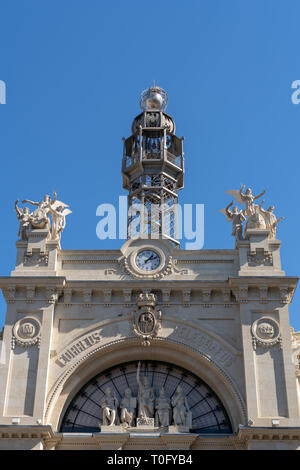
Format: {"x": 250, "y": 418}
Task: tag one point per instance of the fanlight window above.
{"x": 84, "y": 414}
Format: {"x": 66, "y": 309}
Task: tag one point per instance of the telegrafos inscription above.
{"x": 203, "y": 343}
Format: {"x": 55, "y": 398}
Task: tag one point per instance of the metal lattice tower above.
{"x": 153, "y": 169}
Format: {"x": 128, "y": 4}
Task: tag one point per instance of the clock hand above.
{"x": 149, "y": 259}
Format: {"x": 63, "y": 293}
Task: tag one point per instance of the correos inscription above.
{"x": 77, "y": 348}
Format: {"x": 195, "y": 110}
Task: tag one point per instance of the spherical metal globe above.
{"x": 153, "y": 98}
{"x": 154, "y": 101}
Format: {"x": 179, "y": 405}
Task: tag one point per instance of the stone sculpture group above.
{"x": 39, "y": 218}
{"x": 146, "y": 409}
{"x": 256, "y": 217}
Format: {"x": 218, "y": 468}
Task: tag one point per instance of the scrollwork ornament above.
{"x": 266, "y": 333}
{"x": 26, "y": 332}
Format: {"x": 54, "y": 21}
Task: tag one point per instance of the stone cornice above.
{"x": 115, "y": 441}
{"x": 273, "y": 433}
{"x": 43, "y": 281}
{"x": 26, "y": 432}
{"x": 270, "y": 281}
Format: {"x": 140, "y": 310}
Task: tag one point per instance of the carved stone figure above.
{"x": 39, "y": 218}
{"x": 163, "y": 407}
{"x": 145, "y": 396}
{"x": 58, "y": 220}
{"x": 237, "y": 218}
{"x": 181, "y": 409}
{"x": 270, "y": 218}
{"x": 128, "y": 406}
{"x": 109, "y": 404}
{"x": 24, "y": 219}
{"x": 246, "y": 198}
{"x": 255, "y": 219}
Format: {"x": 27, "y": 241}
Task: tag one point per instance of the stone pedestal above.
{"x": 36, "y": 256}
{"x": 113, "y": 429}
{"x": 145, "y": 423}
{"x": 178, "y": 429}
{"x": 259, "y": 255}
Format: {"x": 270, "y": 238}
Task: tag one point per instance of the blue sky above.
{"x": 74, "y": 71}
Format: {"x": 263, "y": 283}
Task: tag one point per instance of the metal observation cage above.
{"x": 84, "y": 413}
{"x": 153, "y": 168}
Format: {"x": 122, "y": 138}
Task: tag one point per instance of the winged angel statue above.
{"x": 256, "y": 216}
{"x": 39, "y": 218}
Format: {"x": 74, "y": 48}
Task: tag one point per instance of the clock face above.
{"x": 147, "y": 260}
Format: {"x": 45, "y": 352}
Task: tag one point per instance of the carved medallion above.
{"x": 146, "y": 318}
{"x": 265, "y": 333}
{"x": 26, "y": 332}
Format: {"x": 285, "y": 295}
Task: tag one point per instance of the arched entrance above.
{"x": 104, "y": 359}
{"x": 208, "y": 414}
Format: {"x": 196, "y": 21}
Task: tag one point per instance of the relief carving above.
{"x": 146, "y": 318}
{"x": 26, "y": 333}
{"x": 266, "y": 333}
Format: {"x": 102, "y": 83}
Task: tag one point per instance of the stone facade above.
{"x": 219, "y": 316}
{"x": 223, "y": 318}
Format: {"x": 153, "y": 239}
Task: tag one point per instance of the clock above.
{"x": 147, "y": 260}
